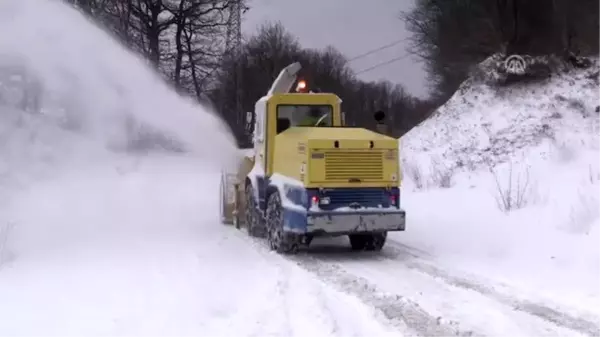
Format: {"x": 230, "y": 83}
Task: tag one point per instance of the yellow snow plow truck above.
{"x": 310, "y": 175}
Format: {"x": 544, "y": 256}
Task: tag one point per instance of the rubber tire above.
{"x": 307, "y": 240}
{"x": 280, "y": 241}
{"x": 368, "y": 242}
{"x": 254, "y": 225}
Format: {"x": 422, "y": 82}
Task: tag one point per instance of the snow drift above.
{"x": 502, "y": 181}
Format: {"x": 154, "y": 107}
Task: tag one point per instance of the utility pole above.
{"x": 233, "y": 48}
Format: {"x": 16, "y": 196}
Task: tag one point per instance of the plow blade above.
{"x": 232, "y": 190}
{"x": 231, "y": 200}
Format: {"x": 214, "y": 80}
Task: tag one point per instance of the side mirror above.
{"x": 379, "y": 117}
{"x": 249, "y": 122}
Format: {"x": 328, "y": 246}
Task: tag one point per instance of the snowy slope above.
{"x": 538, "y": 146}
{"x": 482, "y": 124}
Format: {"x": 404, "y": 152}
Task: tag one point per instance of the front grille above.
{"x": 365, "y": 197}
{"x": 359, "y": 166}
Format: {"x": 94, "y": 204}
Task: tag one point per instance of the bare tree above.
{"x": 326, "y": 70}
{"x": 182, "y": 39}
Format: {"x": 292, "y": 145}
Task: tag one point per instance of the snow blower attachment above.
{"x": 310, "y": 175}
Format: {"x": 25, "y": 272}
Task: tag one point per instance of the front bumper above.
{"x": 332, "y": 223}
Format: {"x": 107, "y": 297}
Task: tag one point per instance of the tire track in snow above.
{"x": 398, "y": 310}
{"x": 310, "y": 306}
{"x": 274, "y": 317}
{"x": 266, "y": 313}
{"x": 398, "y": 251}
{"x": 284, "y": 289}
{"x": 335, "y": 326}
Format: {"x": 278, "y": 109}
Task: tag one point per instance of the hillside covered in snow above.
{"x": 484, "y": 124}
{"x": 502, "y": 181}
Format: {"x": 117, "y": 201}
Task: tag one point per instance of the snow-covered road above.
{"x": 404, "y": 284}
{"x": 143, "y": 253}
{"x": 140, "y": 251}
{"x": 183, "y": 287}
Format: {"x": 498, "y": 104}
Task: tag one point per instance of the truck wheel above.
{"x": 279, "y": 240}
{"x": 376, "y": 241}
{"x": 369, "y": 242}
{"x": 358, "y": 241}
{"x": 308, "y": 239}
{"x": 252, "y": 215}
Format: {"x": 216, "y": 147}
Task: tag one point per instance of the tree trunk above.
{"x": 181, "y": 20}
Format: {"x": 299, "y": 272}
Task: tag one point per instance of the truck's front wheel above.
{"x": 280, "y": 241}
{"x": 370, "y": 242}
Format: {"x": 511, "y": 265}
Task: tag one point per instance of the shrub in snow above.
{"x": 513, "y": 192}
{"x": 413, "y": 172}
{"x": 575, "y": 104}
{"x": 584, "y": 212}
{"x": 594, "y": 176}
{"x": 565, "y": 153}
{"x": 5, "y": 229}
{"x": 441, "y": 175}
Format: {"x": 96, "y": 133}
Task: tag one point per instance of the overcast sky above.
{"x": 353, "y": 27}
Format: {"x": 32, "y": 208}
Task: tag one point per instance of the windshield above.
{"x": 306, "y": 115}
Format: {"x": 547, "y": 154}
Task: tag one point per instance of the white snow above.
{"x": 96, "y": 239}
{"x": 142, "y": 253}
{"x": 99, "y": 85}
{"x": 547, "y": 136}
{"x": 468, "y": 309}
{"x": 106, "y": 231}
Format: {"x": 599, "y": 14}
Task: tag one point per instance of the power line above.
{"x": 373, "y": 51}
{"x": 383, "y": 63}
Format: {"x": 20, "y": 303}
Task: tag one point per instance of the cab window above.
{"x": 303, "y": 115}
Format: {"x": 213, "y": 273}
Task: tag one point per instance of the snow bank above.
{"x": 503, "y": 182}
{"x": 482, "y": 125}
